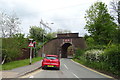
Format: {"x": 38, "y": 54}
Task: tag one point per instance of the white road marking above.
{"x": 75, "y": 75}
{"x": 65, "y": 66}
{"x": 31, "y": 77}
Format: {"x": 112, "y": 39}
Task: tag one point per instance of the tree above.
{"x": 50, "y": 35}
{"x": 115, "y": 4}
{"x": 37, "y": 33}
{"x": 99, "y": 23}
{"x": 9, "y": 25}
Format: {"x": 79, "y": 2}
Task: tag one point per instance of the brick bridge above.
{"x": 59, "y": 46}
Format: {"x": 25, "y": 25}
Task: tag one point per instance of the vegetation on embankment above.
{"x": 20, "y": 63}
{"x": 103, "y": 43}
{"x": 106, "y": 60}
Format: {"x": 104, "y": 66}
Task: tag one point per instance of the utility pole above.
{"x": 45, "y": 25}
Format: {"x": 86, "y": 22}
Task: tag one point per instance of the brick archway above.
{"x": 64, "y": 48}
{"x": 58, "y": 46}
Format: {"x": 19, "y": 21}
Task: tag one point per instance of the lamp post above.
{"x": 30, "y": 45}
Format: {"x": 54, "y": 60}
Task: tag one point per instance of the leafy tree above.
{"x": 37, "y": 33}
{"x": 50, "y": 36}
{"x": 115, "y": 10}
{"x": 100, "y": 24}
{"x": 90, "y": 41}
{"x": 9, "y": 25}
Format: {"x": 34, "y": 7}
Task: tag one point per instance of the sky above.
{"x": 65, "y": 14}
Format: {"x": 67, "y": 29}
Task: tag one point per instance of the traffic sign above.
{"x": 34, "y": 42}
{"x": 31, "y": 45}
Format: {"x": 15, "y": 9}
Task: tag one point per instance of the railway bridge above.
{"x": 64, "y": 45}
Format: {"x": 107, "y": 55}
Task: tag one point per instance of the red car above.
{"x": 51, "y": 61}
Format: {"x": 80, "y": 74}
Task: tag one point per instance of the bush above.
{"x": 112, "y": 55}
{"x": 11, "y": 47}
{"x": 100, "y": 47}
{"x": 78, "y": 53}
{"x": 93, "y": 55}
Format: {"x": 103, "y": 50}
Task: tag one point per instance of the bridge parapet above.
{"x": 64, "y": 35}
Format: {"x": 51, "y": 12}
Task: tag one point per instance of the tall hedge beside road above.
{"x": 11, "y": 47}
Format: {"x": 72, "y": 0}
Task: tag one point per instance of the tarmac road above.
{"x": 69, "y": 69}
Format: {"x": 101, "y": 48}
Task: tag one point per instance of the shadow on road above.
{"x": 51, "y": 69}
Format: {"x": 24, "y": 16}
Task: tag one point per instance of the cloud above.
{"x": 65, "y": 14}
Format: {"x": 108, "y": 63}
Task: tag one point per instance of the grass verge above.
{"x": 100, "y": 67}
{"x": 20, "y": 63}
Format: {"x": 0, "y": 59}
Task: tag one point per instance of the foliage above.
{"x": 90, "y": 41}
{"x": 9, "y": 25}
{"x": 100, "y": 24}
{"x": 118, "y": 35}
{"x": 103, "y": 50}
{"x": 100, "y": 47}
{"x": 78, "y": 53}
{"x": 100, "y": 66}
{"x": 112, "y": 55}
{"x": 11, "y": 47}
{"x": 115, "y": 10}
{"x": 22, "y": 42}
{"x": 106, "y": 59}
{"x": 37, "y": 33}
{"x": 50, "y": 36}
{"x": 93, "y": 55}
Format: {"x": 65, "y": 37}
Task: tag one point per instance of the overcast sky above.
{"x": 65, "y": 14}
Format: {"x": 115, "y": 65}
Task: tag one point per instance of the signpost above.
{"x": 31, "y": 45}
{"x": 34, "y": 43}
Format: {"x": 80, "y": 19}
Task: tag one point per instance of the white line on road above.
{"x": 65, "y": 66}
{"x": 75, "y": 75}
{"x": 31, "y": 77}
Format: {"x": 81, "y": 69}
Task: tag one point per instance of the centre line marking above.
{"x": 75, "y": 75}
{"x": 65, "y": 66}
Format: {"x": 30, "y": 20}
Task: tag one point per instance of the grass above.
{"x": 20, "y": 63}
{"x": 100, "y": 66}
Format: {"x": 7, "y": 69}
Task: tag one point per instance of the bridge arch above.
{"x": 59, "y": 45}
{"x": 64, "y": 49}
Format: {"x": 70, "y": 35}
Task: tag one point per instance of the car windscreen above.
{"x": 50, "y": 57}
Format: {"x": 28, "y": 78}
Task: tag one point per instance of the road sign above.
{"x": 34, "y": 42}
{"x": 31, "y": 45}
